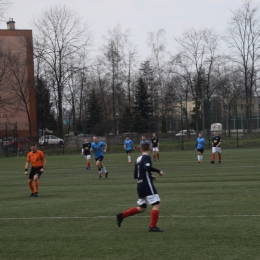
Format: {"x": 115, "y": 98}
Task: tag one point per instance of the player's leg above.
{"x": 154, "y": 154}
{"x": 154, "y": 200}
{"x": 88, "y": 157}
{"x": 36, "y": 185}
{"x": 213, "y": 155}
{"x": 132, "y": 211}
{"x": 219, "y": 155}
{"x": 129, "y": 156}
{"x": 86, "y": 162}
{"x": 157, "y": 153}
{"x": 201, "y": 155}
{"x": 98, "y": 164}
{"x": 102, "y": 166}
{"x": 198, "y": 156}
{"x": 30, "y": 181}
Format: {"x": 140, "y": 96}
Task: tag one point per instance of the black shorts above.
{"x": 128, "y": 151}
{"x": 200, "y": 150}
{"x": 100, "y": 158}
{"x": 35, "y": 171}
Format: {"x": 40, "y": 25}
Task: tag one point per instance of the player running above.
{"x": 200, "y": 144}
{"x": 86, "y": 146}
{"x": 216, "y": 142}
{"x": 38, "y": 162}
{"x": 97, "y": 148}
{"x": 155, "y": 146}
{"x": 128, "y": 146}
{"x": 146, "y": 190}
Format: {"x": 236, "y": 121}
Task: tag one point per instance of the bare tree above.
{"x": 194, "y": 63}
{"x": 243, "y": 38}
{"x": 4, "y": 4}
{"x": 59, "y": 38}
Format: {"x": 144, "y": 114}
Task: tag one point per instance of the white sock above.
{"x": 104, "y": 169}
{"x": 129, "y": 158}
{"x": 198, "y": 157}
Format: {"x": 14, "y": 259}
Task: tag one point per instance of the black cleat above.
{"x": 36, "y": 194}
{"x": 31, "y": 195}
{"x": 219, "y": 161}
{"x": 119, "y": 219}
{"x": 106, "y": 174}
{"x": 155, "y": 229}
{"x": 212, "y": 162}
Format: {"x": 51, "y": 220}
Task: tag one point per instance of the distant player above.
{"x": 38, "y": 162}
{"x": 128, "y": 146}
{"x": 144, "y": 140}
{"x": 155, "y": 146}
{"x": 99, "y": 148}
{"x": 216, "y": 142}
{"x": 86, "y": 146}
{"x": 146, "y": 191}
{"x": 200, "y": 144}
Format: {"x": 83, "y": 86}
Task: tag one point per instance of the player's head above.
{"x": 127, "y": 137}
{"x": 86, "y": 139}
{"x": 200, "y": 135}
{"x": 215, "y": 133}
{"x": 95, "y": 139}
{"x": 145, "y": 147}
{"x": 154, "y": 134}
{"x": 143, "y": 137}
{"x": 33, "y": 147}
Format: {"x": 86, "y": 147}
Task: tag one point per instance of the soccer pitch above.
{"x": 208, "y": 211}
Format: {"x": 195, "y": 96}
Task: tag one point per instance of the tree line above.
{"x": 111, "y": 90}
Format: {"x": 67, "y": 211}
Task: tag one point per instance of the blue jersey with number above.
{"x": 128, "y": 145}
{"x": 98, "y": 148}
{"x": 200, "y": 143}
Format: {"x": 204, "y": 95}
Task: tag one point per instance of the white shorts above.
{"x": 149, "y": 200}
{"x": 88, "y": 157}
{"x": 216, "y": 149}
{"x": 155, "y": 149}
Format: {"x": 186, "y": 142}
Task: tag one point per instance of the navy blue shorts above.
{"x": 100, "y": 158}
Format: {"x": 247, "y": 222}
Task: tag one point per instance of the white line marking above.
{"x": 173, "y": 216}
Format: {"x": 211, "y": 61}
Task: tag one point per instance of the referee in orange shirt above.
{"x": 38, "y": 162}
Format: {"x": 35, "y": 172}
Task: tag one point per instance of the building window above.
{"x": 258, "y": 106}
{"x": 242, "y": 107}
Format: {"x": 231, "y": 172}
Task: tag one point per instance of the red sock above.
{"x": 219, "y": 156}
{"x": 130, "y": 212}
{"x": 154, "y": 157}
{"x": 213, "y": 157}
{"x": 154, "y": 218}
{"x": 88, "y": 164}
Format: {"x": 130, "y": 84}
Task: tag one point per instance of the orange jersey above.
{"x": 36, "y": 159}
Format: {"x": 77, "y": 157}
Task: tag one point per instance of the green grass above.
{"x": 208, "y": 211}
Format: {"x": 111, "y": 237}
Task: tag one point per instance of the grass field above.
{"x": 208, "y": 211}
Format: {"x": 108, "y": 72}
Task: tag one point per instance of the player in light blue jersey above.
{"x": 200, "y": 144}
{"x": 99, "y": 148}
{"x": 144, "y": 140}
{"x": 128, "y": 146}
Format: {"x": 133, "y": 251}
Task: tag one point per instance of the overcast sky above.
{"x": 141, "y": 16}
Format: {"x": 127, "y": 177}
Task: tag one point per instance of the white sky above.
{"x": 141, "y": 16}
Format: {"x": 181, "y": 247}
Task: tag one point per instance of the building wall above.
{"x": 17, "y": 83}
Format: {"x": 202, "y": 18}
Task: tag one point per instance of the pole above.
{"x": 237, "y": 123}
{"x": 182, "y": 127}
{"x": 208, "y": 122}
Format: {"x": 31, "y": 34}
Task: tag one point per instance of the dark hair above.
{"x": 33, "y": 144}
{"x": 145, "y": 147}
{"x": 127, "y": 136}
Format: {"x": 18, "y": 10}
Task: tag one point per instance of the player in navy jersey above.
{"x": 155, "y": 146}
{"x": 144, "y": 140}
{"x": 200, "y": 144}
{"x": 86, "y": 146}
{"x": 146, "y": 191}
{"x": 128, "y": 146}
{"x": 216, "y": 142}
{"x": 99, "y": 148}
